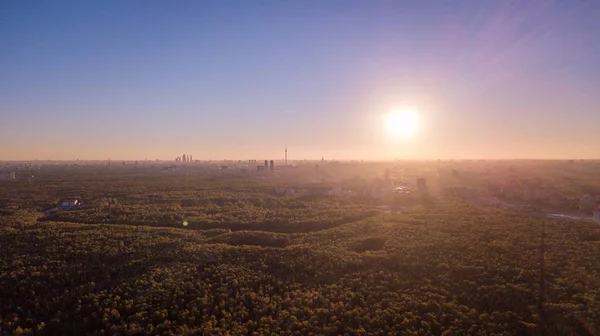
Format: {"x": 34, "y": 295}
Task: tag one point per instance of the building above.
{"x": 401, "y": 190}
{"x": 69, "y": 203}
{"x": 285, "y": 191}
{"x": 385, "y": 209}
{"x": 422, "y": 185}
{"x": 597, "y": 215}
{"x": 8, "y": 175}
{"x": 336, "y": 188}
{"x": 319, "y": 191}
{"x": 587, "y": 202}
{"x": 272, "y": 165}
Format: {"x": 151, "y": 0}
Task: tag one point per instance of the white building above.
{"x": 8, "y": 175}
{"x": 319, "y": 191}
{"x": 336, "y": 188}
{"x": 69, "y": 203}
{"x": 285, "y": 191}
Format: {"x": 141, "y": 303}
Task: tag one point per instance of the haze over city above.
{"x": 154, "y": 79}
{"x": 300, "y": 167}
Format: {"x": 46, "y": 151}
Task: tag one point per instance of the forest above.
{"x": 253, "y": 263}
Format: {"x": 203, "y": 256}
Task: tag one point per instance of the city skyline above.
{"x": 149, "y": 79}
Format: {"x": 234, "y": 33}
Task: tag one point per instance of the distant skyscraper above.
{"x": 266, "y": 164}
{"x": 286, "y": 155}
{"x": 272, "y": 165}
{"x": 191, "y": 159}
{"x": 597, "y": 215}
{"x": 183, "y": 158}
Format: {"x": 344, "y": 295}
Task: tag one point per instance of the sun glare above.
{"x": 402, "y": 124}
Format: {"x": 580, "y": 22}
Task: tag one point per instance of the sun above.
{"x": 402, "y": 124}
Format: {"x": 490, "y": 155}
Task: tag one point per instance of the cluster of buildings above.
{"x": 8, "y": 175}
{"x": 63, "y": 204}
{"x": 184, "y": 159}
{"x": 69, "y": 203}
{"x": 268, "y": 166}
{"x": 375, "y": 188}
{"x": 584, "y": 214}
{"x": 522, "y": 193}
{"x": 314, "y": 189}
{"x": 243, "y": 168}
{"x": 589, "y": 203}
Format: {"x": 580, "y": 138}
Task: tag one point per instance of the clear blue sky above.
{"x": 239, "y": 79}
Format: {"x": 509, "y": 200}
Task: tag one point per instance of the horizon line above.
{"x": 302, "y": 160}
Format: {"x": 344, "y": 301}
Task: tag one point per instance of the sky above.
{"x": 144, "y": 79}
